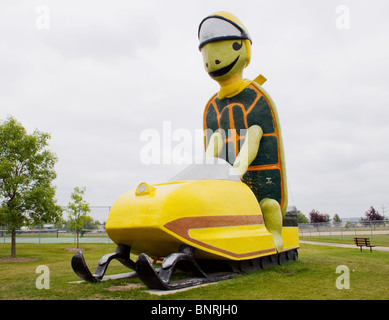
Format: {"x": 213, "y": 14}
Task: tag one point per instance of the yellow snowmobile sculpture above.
{"x": 227, "y": 215}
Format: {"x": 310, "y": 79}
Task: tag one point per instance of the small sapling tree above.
{"x": 78, "y": 210}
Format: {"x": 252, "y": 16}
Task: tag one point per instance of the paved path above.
{"x": 342, "y": 245}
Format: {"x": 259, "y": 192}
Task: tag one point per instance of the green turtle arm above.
{"x": 249, "y": 150}
{"x": 272, "y": 216}
{"x": 215, "y": 145}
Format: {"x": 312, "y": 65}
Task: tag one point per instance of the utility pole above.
{"x": 383, "y": 211}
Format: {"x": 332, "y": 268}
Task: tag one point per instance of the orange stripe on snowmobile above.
{"x": 182, "y": 226}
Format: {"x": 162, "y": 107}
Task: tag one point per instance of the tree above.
{"x": 92, "y": 224}
{"x": 301, "y": 218}
{"x": 78, "y": 211}
{"x": 336, "y": 218}
{"x": 316, "y": 216}
{"x": 372, "y": 215}
{"x": 26, "y": 176}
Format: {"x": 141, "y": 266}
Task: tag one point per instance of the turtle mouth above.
{"x": 223, "y": 71}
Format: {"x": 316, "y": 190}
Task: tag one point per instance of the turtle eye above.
{"x": 237, "y": 46}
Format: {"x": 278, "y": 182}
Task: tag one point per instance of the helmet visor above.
{"x": 218, "y": 28}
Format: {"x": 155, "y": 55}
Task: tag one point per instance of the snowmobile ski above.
{"x": 121, "y": 254}
{"x": 160, "y": 279}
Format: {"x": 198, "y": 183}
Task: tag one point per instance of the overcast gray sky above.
{"x": 96, "y": 74}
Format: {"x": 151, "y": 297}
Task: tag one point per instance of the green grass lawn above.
{"x": 311, "y": 277}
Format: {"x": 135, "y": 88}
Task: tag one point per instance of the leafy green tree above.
{"x": 92, "y": 224}
{"x": 78, "y": 211}
{"x": 336, "y": 218}
{"x": 301, "y": 218}
{"x": 26, "y": 176}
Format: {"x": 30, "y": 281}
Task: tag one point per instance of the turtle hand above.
{"x": 215, "y": 145}
{"x": 249, "y": 150}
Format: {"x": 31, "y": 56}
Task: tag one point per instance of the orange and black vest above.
{"x": 231, "y": 116}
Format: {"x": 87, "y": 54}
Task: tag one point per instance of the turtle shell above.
{"x": 252, "y": 106}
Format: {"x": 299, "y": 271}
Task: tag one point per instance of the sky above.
{"x": 101, "y": 76}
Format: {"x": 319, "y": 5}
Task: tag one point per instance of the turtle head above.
{"x": 225, "y": 46}
{"x": 224, "y": 59}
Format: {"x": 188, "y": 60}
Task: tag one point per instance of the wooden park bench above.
{"x": 363, "y": 242}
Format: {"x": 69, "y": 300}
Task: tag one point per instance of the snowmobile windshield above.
{"x": 208, "y": 168}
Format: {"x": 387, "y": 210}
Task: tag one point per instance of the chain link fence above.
{"x": 55, "y": 236}
{"x": 342, "y": 230}
{"x": 50, "y": 234}
{"x": 334, "y": 230}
